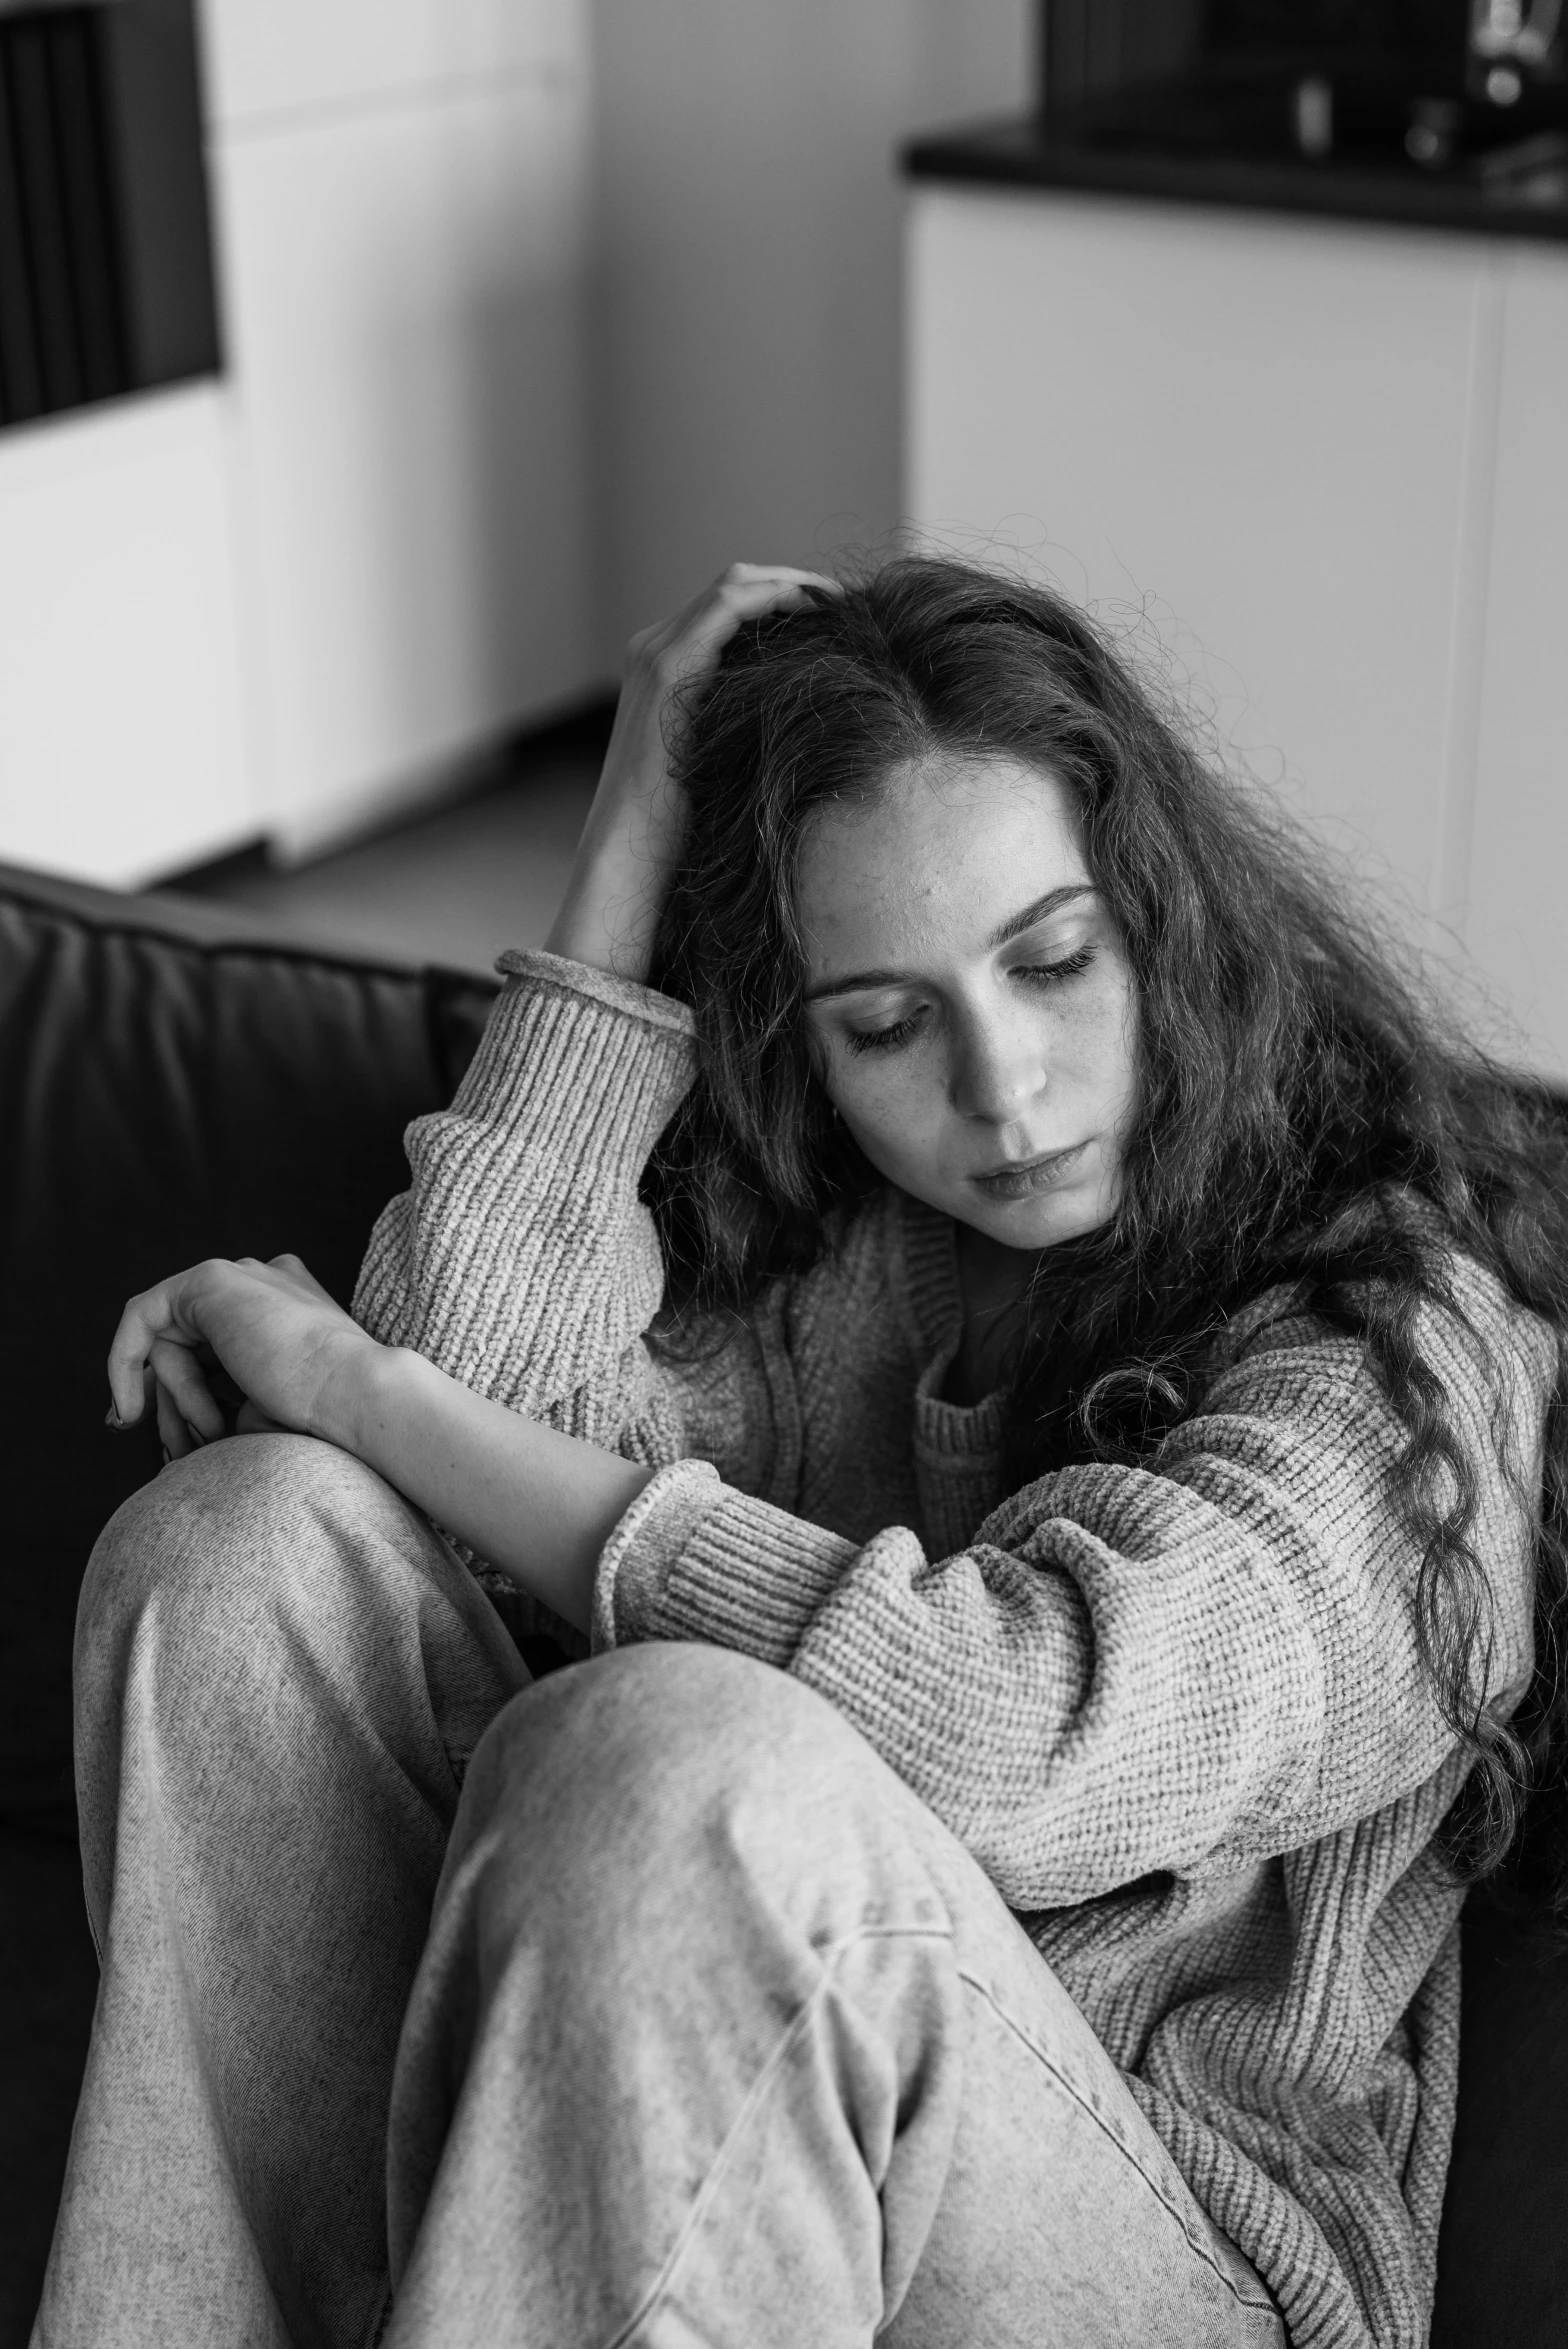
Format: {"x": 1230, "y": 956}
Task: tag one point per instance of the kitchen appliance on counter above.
{"x": 1470, "y": 90}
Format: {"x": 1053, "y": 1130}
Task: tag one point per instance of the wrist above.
{"x": 354, "y": 1400}
{"x": 607, "y": 921}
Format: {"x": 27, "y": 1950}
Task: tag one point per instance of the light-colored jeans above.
{"x": 687, "y": 2024}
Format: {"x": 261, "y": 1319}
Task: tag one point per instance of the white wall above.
{"x": 749, "y": 335}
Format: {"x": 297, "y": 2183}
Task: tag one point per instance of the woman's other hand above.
{"x": 633, "y": 835}
{"x": 271, "y": 1328}
{"x": 538, "y": 1504}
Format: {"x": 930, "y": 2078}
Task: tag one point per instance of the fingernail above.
{"x": 111, "y": 1418}
{"x": 167, "y": 1455}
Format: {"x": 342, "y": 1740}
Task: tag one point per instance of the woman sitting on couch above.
{"x": 1038, "y": 1371}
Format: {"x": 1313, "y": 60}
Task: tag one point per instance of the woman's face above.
{"x": 968, "y": 995}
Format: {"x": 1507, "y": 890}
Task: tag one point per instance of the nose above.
{"x": 999, "y": 1068}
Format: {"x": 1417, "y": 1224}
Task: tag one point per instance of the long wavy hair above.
{"x": 1305, "y": 1116}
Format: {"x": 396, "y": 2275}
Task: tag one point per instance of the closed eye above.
{"x": 882, "y": 1039}
{"x": 1079, "y": 960}
{"x": 899, "y": 1032}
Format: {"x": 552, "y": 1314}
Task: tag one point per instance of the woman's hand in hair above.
{"x": 269, "y": 1331}
{"x": 633, "y": 835}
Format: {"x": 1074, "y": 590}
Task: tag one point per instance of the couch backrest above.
{"x": 175, "y": 1083}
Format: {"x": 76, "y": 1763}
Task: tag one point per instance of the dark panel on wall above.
{"x": 87, "y": 213}
{"x": 21, "y": 378}
{"x": 152, "y": 71}
{"x": 106, "y": 281}
{"x": 62, "y": 318}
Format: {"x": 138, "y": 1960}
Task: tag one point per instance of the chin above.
{"x": 1033, "y": 1224}
{"x": 1030, "y": 1233}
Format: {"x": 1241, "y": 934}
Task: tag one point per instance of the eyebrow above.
{"x": 1014, "y": 927}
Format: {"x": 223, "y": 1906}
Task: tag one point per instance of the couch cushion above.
{"x": 174, "y": 1083}
{"x": 1502, "y": 2263}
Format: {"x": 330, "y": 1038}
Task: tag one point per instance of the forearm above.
{"x": 524, "y": 1194}
{"x": 537, "y": 1504}
{"x": 631, "y": 843}
{"x": 610, "y": 912}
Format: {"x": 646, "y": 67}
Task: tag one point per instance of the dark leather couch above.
{"x": 174, "y": 1083}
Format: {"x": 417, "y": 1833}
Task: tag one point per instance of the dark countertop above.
{"x": 1036, "y": 154}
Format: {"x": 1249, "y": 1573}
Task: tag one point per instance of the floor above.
{"x": 454, "y": 886}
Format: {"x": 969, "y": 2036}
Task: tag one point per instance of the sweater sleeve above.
{"x": 1187, "y": 1667}
{"x": 520, "y": 1259}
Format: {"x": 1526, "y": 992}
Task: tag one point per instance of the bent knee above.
{"x": 644, "y": 1751}
{"x": 229, "y": 1531}
{"x": 668, "y": 1791}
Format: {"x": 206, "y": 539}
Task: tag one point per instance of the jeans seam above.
{"x": 1199, "y": 2250}
{"x": 752, "y": 2100}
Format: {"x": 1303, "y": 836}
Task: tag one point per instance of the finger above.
{"x": 754, "y": 599}
{"x": 746, "y": 572}
{"x": 177, "y": 1437}
{"x": 771, "y": 595}
{"x": 146, "y": 1317}
{"x": 737, "y": 602}
{"x": 181, "y": 1377}
{"x": 751, "y": 587}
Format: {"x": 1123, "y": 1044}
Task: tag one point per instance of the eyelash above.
{"x": 889, "y": 1039}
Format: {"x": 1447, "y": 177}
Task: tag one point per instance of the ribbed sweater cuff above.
{"x": 588, "y": 1066}
{"x": 582, "y": 978}
{"x": 694, "y": 1559}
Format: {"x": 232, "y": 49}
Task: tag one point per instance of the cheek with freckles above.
{"x": 1094, "y": 1047}
{"x": 897, "y": 1124}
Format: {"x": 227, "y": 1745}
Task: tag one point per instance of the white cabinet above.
{"x": 406, "y": 317}
{"x": 266, "y": 57}
{"x": 403, "y": 205}
{"x": 1270, "y": 446}
{"x": 121, "y": 745}
{"x": 1518, "y": 874}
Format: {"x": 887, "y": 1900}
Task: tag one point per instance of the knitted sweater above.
{"x": 1177, "y": 1711}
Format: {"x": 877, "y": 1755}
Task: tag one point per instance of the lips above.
{"x": 1026, "y": 1176}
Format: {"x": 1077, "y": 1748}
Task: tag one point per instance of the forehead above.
{"x": 946, "y": 850}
